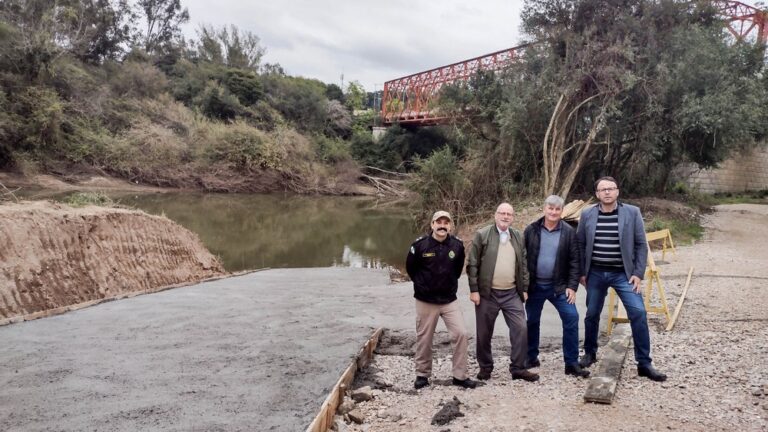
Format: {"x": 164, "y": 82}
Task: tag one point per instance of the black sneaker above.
{"x": 466, "y": 383}
{"x": 532, "y": 363}
{"x": 651, "y": 373}
{"x": 421, "y": 382}
{"x": 587, "y": 360}
{"x": 576, "y": 370}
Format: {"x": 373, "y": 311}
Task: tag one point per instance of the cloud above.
{"x": 370, "y": 42}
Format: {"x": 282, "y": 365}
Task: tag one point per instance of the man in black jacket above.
{"x": 434, "y": 264}
{"x": 553, "y": 265}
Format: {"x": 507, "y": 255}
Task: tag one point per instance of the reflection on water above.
{"x": 257, "y": 231}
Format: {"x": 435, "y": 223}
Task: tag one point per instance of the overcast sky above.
{"x": 367, "y": 41}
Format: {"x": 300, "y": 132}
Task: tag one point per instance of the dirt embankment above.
{"x": 344, "y": 182}
{"x": 55, "y": 256}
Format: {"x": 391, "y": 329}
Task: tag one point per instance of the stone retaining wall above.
{"x": 745, "y": 172}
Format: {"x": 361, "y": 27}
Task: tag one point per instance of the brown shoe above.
{"x": 524, "y": 374}
{"x": 484, "y": 374}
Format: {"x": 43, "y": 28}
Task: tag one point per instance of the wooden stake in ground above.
{"x": 680, "y": 302}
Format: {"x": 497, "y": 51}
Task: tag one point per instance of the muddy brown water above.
{"x": 288, "y": 231}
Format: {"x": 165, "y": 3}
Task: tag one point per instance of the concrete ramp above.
{"x": 255, "y": 352}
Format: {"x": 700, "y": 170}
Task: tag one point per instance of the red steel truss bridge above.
{"x": 409, "y": 100}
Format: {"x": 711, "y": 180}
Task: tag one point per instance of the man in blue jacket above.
{"x": 554, "y": 269}
{"x": 614, "y": 254}
{"x": 434, "y": 264}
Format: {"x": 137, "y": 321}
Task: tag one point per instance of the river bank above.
{"x": 262, "y": 182}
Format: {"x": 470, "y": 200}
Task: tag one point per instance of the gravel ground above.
{"x": 716, "y": 358}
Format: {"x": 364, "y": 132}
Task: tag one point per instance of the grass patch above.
{"x": 82, "y": 199}
{"x": 683, "y": 231}
{"x": 753, "y": 197}
{"x": 705, "y": 201}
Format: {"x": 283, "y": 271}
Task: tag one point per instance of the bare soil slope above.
{"x": 54, "y": 256}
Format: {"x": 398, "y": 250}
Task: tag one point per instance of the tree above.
{"x": 106, "y": 28}
{"x": 230, "y": 46}
{"x": 624, "y": 99}
{"x": 38, "y": 32}
{"x": 355, "y": 96}
{"x": 334, "y": 92}
{"x": 163, "y": 22}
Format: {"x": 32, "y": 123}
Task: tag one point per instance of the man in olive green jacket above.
{"x": 498, "y": 281}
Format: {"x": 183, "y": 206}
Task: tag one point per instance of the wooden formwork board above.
{"x": 324, "y": 418}
{"x": 602, "y": 386}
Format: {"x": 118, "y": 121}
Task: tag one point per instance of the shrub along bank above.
{"x": 158, "y": 109}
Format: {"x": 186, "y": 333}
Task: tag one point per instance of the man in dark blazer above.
{"x": 614, "y": 254}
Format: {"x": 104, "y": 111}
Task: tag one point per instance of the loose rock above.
{"x": 362, "y": 394}
{"x": 356, "y": 416}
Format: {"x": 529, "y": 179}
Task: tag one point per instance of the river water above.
{"x": 281, "y": 230}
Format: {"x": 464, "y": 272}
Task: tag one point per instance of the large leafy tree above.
{"x": 230, "y": 46}
{"x": 634, "y": 88}
{"x": 162, "y": 23}
{"x": 37, "y": 32}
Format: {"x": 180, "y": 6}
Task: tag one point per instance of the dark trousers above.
{"x": 510, "y": 304}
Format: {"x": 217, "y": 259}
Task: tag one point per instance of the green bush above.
{"x": 332, "y": 150}
{"x": 245, "y": 148}
{"x": 245, "y": 85}
{"x": 138, "y": 79}
{"x": 368, "y": 152}
{"x": 438, "y": 179}
{"x": 218, "y": 103}
{"x": 82, "y": 199}
{"x": 38, "y": 114}
{"x": 147, "y": 151}
{"x": 301, "y": 101}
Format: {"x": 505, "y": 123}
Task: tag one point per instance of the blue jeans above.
{"x": 568, "y": 315}
{"x": 597, "y": 287}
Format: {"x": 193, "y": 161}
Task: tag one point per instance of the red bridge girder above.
{"x": 744, "y": 21}
{"x": 409, "y": 100}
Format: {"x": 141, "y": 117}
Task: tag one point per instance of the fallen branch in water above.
{"x": 7, "y": 192}
{"x": 392, "y": 173}
{"x": 387, "y": 186}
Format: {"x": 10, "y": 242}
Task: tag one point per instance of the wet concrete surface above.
{"x": 254, "y": 352}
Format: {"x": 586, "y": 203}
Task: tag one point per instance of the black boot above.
{"x": 466, "y": 383}
{"x": 576, "y": 370}
{"x": 651, "y": 373}
{"x": 587, "y": 360}
{"x": 421, "y": 382}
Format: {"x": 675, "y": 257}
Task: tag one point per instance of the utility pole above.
{"x": 375, "y": 105}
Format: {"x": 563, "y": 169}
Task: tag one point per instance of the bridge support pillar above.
{"x": 378, "y": 132}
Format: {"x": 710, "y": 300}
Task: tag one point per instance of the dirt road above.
{"x": 716, "y": 358}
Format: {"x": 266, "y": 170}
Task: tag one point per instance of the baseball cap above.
{"x": 440, "y": 214}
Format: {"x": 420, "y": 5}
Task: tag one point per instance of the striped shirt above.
{"x": 606, "y": 253}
